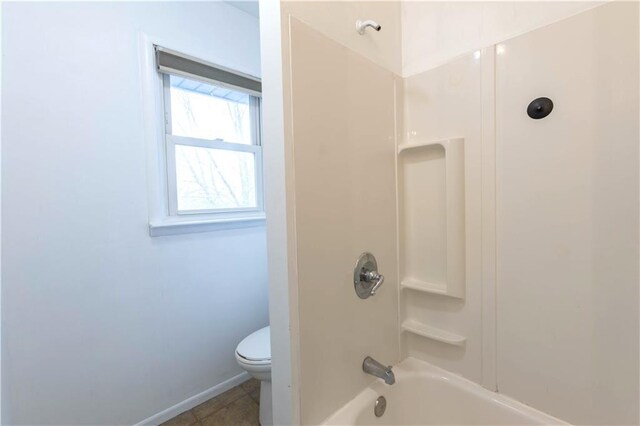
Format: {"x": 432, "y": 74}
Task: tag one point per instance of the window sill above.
{"x": 185, "y": 226}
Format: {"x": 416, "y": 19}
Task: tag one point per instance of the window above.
{"x": 212, "y": 139}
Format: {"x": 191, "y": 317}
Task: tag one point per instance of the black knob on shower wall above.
{"x": 540, "y": 108}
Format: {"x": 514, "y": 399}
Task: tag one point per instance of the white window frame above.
{"x": 172, "y": 140}
{"x": 164, "y": 218}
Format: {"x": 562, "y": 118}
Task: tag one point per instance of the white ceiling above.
{"x": 249, "y": 6}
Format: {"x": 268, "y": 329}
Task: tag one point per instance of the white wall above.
{"x": 279, "y": 205}
{"x": 1, "y": 394}
{"x": 434, "y": 32}
{"x": 101, "y": 323}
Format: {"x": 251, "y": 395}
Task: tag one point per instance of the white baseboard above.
{"x": 191, "y": 402}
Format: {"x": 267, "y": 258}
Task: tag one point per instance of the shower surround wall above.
{"x": 567, "y": 208}
{"x": 435, "y": 32}
{"x": 438, "y": 105}
{"x": 550, "y": 302}
{"x": 342, "y": 146}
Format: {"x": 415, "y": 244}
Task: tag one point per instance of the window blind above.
{"x": 171, "y": 62}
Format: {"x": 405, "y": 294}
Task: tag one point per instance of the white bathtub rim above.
{"x": 411, "y": 367}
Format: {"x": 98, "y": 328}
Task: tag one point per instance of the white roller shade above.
{"x": 171, "y": 62}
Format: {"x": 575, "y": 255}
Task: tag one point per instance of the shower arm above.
{"x": 361, "y": 26}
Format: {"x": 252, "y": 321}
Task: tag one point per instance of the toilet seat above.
{"x": 250, "y": 363}
{"x": 255, "y": 349}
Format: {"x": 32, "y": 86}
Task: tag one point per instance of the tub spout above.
{"x": 373, "y": 367}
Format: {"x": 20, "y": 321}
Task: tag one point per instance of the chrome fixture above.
{"x": 361, "y": 26}
{"x": 373, "y": 367}
{"x": 380, "y": 406}
{"x": 366, "y": 278}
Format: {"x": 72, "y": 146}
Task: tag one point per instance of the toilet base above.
{"x": 266, "y": 408}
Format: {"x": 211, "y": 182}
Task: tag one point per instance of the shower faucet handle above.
{"x": 375, "y": 278}
{"x": 366, "y": 278}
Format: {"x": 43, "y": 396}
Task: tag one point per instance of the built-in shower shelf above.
{"x": 432, "y": 195}
{"x": 424, "y": 286}
{"x": 433, "y": 333}
{"x": 416, "y": 143}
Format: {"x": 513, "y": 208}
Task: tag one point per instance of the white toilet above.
{"x": 254, "y": 355}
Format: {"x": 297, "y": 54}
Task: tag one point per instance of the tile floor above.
{"x": 236, "y": 407}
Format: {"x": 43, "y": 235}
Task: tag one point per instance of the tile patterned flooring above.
{"x": 236, "y": 407}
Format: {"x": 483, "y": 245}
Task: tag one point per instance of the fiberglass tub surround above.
{"x": 512, "y": 235}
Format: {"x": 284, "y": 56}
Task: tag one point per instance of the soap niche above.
{"x": 431, "y": 212}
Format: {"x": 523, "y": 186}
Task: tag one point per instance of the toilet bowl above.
{"x": 253, "y": 354}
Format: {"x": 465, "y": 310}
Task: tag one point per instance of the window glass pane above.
{"x": 210, "y": 179}
{"x": 204, "y": 111}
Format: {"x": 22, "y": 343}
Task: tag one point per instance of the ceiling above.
{"x": 249, "y": 6}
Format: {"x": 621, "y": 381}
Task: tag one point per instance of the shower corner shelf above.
{"x": 433, "y": 333}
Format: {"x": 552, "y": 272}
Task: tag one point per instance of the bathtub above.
{"x": 427, "y": 395}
